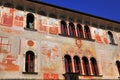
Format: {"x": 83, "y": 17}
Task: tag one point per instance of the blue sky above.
{"x": 103, "y": 8}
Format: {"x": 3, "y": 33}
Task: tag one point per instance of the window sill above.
{"x": 34, "y": 73}
{"x": 113, "y": 44}
{"x": 77, "y": 37}
{"x": 30, "y": 29}
{"x": 93, "y": 75}
{"x": 71, "y": 73}
{"x": 68, "y": 73}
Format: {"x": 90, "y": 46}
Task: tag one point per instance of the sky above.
{"x": 109, "y": 9}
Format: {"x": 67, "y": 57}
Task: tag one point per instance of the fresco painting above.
{"x": 7, "y": 16}
{"x": 0, "y": 14}
{"x": 42, "y": 24}
{"x": 47, "y": 25}
{"x": 7, "y": 59}
{"x": 50, "y": 55}
{"x": 79, "y": 48}
{"x": 53, "y": 26}
{"x": 50, "y": 76}
{"x": 9, "y": 30}
{"x": 99, "y": 35}
{"x": 119, "y": 38}
{"x": 108, "y": 71}
{"x": 116, "y": 37}
{"x": 18, "y": 18}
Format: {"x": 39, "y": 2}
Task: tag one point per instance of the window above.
{"x": 30, "y": 21}
{"x": 72, "y": 29}
{"x": 68, "y": 63}
{"x": 87, "y": 32}
{"x": 86, "y": 66}
{"x": 111, "y": 37}
{"x": 94, "y": 66}
{"x": 64, "y": 28}
{"x": 29, "y": 62}
{"x": 77, "y": 65}
{"x": 80, "y": 31}
{"x": 118, "y": 66}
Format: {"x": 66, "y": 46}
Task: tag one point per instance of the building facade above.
{"x": 43, "y": 41}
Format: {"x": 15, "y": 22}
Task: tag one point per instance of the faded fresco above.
{"x": 79, "y": 48}
{"x": 107, "y": 64}
{"x": 99, "y": 35}
{"x": 18, "y": 18}
{"x": 41, "y": 24}
{"x": 47, "y": 25}
{"x": 50, "y": 57}
{"x": 53, "y": 26}
{"x": 116, "y": 37}
{"x": 8, "y": 57}
{"x": 0, "y": 14}
{"x": 7, "y": 16}
{"x": 50, "y": 76}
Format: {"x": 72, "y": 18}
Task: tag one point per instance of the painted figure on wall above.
{"x": 97, "y": 36}
{"x": 50, "y": 56}
{"x": 7, "y": 17}
{"x": 79, "y": 48}
{"x": 105, "y": 39}
{"x": 53, "y": 26}
{"x": 47, "y": 25}
{"x": 18, "y": 19}
{"x": 41, "y": 23}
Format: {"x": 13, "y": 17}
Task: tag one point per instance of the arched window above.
{"x": 94, "y": 66}
{"x": 86, "y": 66}
{"x": 64, "y": 30}
{"x": 30, "y": 21}
{"x": 72, "y": 29}
{"x": 118, "y": 66}
{"x": 77, "y": 65}
{"x": 68, "y": 63}
{"x": 111, "y": 37}
{"x": 29, "y": 61}
{"x": 80, "y": 31}
{"x": 87, "y": 32}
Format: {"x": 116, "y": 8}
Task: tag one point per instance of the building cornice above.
{"x": 59, "y": 7}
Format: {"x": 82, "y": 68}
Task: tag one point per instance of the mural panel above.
{"x": 79, "y": 48}
{"x": 7, "y": 16}
{"x": 18, "y": 18}
{"x": 53, "y": 26}
{"x": 8, "y": 60}
{"x": 0, "y": 14}
{"x": 99, "y": 35}
{"x": 50, "y": 56}
{"x": 47, "y": 25}
{"x": 42, "y": 24}
{"x": 107, "y": 71}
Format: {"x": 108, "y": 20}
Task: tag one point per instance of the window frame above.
{"x": 68, "y": 64}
